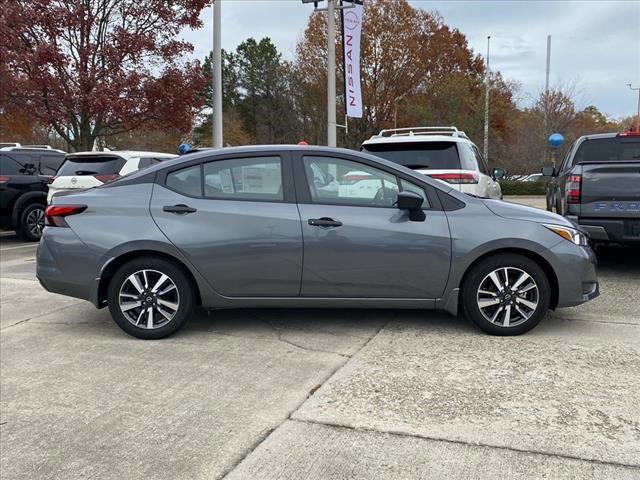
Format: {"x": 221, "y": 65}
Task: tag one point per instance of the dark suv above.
{"x": 24, "y": 176}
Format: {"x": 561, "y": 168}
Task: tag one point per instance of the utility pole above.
{"x": 331, "y": 73}
{"x": 546, "y": 97}
{"x": 217, "y": 75}
{"x": 638, "y": 116}
{"x": 486, "y": 105}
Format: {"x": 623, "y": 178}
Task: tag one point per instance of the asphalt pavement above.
{"x": 318, "y": 394}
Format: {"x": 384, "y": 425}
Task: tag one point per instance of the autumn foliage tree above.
{"x": 98, "y": 68}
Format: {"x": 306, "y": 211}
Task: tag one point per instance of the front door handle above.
{"x": 180, "y": 209}
{"x": 324, "y": 222}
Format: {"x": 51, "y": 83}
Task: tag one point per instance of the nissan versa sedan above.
{"x": 255, "y": 227}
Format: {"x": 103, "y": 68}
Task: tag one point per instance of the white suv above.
{"x": 92, "y": 169}
{"x": 443, "y": 153}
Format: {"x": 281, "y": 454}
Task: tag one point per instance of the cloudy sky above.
{"x": 595, "y": 44}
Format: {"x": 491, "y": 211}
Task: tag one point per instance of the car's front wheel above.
{"x": 150, "y": 298}
{"x": 506, "y": 294}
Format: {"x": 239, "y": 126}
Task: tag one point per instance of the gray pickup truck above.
{"x": 597, "y": 186}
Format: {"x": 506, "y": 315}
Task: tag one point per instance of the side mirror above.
{"x": 498, "y": 173}
{"x": 413, "y": 203}
{"x": 548, "y": 171}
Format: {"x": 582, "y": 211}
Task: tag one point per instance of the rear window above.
{"x": 91, "y": 166}
{"x": 418, "y": 155}
{"x": 614, "y": 149}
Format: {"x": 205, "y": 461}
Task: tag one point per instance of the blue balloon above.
{"x": 184, "y": 148}
{"x": 556, "y": 140}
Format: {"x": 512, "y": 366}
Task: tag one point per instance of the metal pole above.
{"x": 546, "y": 97}
{"x": 217, "y": 75}
{"x": 546, "y": 84}
{"x": 486, "y": 106}
{"x": 331, "y": 74}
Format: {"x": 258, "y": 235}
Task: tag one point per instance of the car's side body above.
{"x": 268, "y": 253}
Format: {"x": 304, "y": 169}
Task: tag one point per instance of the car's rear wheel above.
{"x": 31, "y": 222}
{"x": 506, "y": 294}
{"x": 150, "y": 298}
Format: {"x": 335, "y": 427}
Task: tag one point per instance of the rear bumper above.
{"x": 65, "y": 265}
{"x": 623, "y": 230}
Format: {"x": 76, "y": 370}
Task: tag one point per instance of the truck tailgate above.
{"x": 610, "y": 189}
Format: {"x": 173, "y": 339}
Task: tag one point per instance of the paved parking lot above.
{"x": 318, "y": 394}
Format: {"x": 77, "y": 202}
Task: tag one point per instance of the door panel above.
{"x": 243, "y": 248}
{"x": 377, "y": 252}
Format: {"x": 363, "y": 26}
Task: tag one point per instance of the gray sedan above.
{"x": 300, "y": 226}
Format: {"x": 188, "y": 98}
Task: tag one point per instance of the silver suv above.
{"x": 443, "y": 153}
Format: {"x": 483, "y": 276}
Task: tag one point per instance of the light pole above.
{"x": 331, "y": 73}
{"x": 638, "y": 116}
{"x": 486, "y": 106}
{"x": 217, "y": 75}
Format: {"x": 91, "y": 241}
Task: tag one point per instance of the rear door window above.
{"x": 91, "y": 165}
{"x": 482, "y": 163}
{"x": 614, "y": 149}
{"x": 18, "y": 164}
{"x": 418, "y": 155}
{"x": 187, "y": 181}
{"x": 258, "y": 178}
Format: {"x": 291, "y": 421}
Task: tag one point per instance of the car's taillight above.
{"x": 54, "y": 214}
{"x": 573, "y": 186}
{"x": 107, "y": 177}
{"x": 456, "y": 177}
{"x": 4, "y": 178}
{"x": 50, "y": 179}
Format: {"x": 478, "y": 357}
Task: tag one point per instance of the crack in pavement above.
{"x": 41, "y": 315}
{"x": 311, "y": 392}
{"x": 401, "y": 433}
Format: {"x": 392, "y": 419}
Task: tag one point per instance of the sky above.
{"x": 595, "y": 44}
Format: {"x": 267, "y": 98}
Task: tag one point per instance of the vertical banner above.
{"x": 351, "y": 33}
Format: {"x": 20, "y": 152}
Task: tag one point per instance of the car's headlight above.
{"x": 571, "y": 234}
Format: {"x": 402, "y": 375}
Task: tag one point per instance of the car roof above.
{"x": 126, "y": 154}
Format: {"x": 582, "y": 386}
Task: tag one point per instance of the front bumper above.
{"x": 575, "y": 269}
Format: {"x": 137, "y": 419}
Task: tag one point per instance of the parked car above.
{"x": 534, "y": 177}
{"x": 597, "y": 186}
{"x": 443, "y": 153}
{"x": 92, "y": 169}
{"x": 154, "y": 244}
{"x": 24, "y": 174}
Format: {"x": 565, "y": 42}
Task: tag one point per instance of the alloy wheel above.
{"x": 508, "y": 296}
{"x": 35, "y": 222}
{"x": 149, "y": 299}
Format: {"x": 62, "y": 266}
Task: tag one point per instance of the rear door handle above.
{"x": 324, "y": 222}
{"x": 180, "y": 209}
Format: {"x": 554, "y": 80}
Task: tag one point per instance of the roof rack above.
{"x": 411, "y": 131}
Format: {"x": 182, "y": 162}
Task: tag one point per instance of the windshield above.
{"x": 91, "y": 166}
{"x": 418, "y": 155}
{"x": 614, "y": 149}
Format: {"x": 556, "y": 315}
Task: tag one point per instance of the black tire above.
{"x": 479, "y": 274}
{"x": 31, "y": 222}
{"x": 183, "y": 287}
